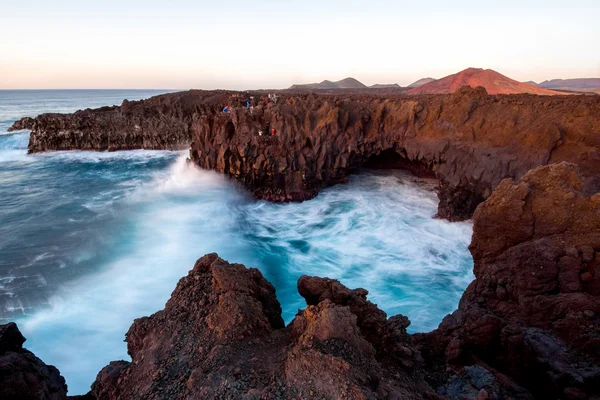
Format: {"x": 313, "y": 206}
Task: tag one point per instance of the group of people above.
{"x": 268, "y": 130}
{"x": 251, "y": 102}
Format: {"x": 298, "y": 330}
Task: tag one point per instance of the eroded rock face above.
{"x": 470, "y": 141}
{"x": 221, "y": 336}
{"x": 533, "y": 312}
{"x": 23, "y": 376}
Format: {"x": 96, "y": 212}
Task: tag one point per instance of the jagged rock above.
{"x": 468, "y": 140}
{"x": 22, "y": 124}
{"x": 531, "y": 312}
{"x": 481, "y": 383}
{"x": 221, "y": 336}
{"x": 23, "y": 376}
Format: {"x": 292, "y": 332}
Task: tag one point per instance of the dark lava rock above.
{"x": 528, "y": 314}
{"x": 23, "y": 376}
{"x": 482, "y": 383}
{"x": 221, "y": 336}
{"x": 468, "y": 140}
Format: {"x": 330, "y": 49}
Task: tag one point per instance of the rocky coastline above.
{"x": 525, "y": 168}
{"x": 468, "y": 140}
{"x": 528, "y": 326}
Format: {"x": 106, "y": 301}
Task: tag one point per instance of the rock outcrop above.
{"x": 221, "y": 336}
{"x": 533, "y": 311}
{"x": 23, "y": 376}
{"x": 468, "y": 140}
{"x": 158, "y": 123}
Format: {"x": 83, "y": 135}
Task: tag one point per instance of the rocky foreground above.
{"x": 468, "y": 140}
{"x": 527, "y": 327}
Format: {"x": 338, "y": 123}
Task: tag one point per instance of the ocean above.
{"x": 89, "y": 241}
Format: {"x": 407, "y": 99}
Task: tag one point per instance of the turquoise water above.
{"x": 90, "y": 241}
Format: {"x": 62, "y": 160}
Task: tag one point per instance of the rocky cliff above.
{"x": 468, "y": 140}
{"x": 533, "y": 311}
{"x": 158, "y": 123}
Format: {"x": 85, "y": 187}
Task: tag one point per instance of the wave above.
{"x": 176, "y": 218}
{"x": 14, "y": 140}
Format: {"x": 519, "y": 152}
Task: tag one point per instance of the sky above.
{"x": 235, "y": 44}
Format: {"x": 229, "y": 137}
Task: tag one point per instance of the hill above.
{"x": 348, "y": 83}
{"x": 492, "y": 81}
{"x": 577, "y": 83}
{"x": 385, "y": 86}
{"x": 420, "y": 82}
{"x": 584, "y": 85}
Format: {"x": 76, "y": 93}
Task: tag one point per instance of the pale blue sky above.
{"x": 260, "y": 44}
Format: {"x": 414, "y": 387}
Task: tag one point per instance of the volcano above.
{"x": 492, "y": 81}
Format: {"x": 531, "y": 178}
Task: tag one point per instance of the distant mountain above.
{"x": 573, "y": 85}
{"x": 348, "y": 83}
{"x": 580, "y": 83}
{"x": 420, "y": 82}
{"x": 385, "y": 86}
{"x": 492, "y": 81}
{"x": 531, "y": 83}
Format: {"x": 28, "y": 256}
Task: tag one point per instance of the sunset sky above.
{"x": 275, "y": 43}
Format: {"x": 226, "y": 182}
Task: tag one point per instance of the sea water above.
{"x": 89, "y": 241}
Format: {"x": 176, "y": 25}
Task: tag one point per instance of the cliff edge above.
{"x": 468, "y": 140}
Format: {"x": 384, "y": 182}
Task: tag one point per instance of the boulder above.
{"x": 23, "y": 376}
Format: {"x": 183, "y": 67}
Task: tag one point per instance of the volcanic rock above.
{"x": 468, "y": 140}
{"x": 221, "y": 336}
{"x": 23, "y": 376}
{"x": 531, "y": 312}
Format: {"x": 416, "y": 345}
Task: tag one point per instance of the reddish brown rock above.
{"x": 221, "y": 336}
{"x": 23, "y": 376}
{"x": 468, "y": 140}
{"x": 532, "y": 311}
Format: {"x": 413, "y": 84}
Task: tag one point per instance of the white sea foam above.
{"x": 379, "y": 233}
